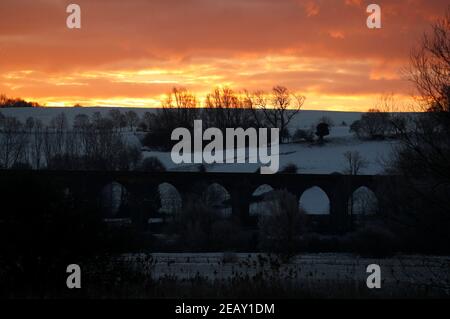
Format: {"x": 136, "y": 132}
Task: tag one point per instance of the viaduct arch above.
{"x": 141, "y": 187}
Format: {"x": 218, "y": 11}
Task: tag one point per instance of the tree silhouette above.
{"x": 322, "y": 130}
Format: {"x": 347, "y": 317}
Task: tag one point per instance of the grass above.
{"x": 112, "y": 278}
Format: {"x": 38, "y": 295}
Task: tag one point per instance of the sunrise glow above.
{"x": 132, "y": 56}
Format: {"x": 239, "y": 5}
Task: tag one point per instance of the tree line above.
{"x": 94, "y": 142}
{"x": 15, "y": 102}
{"x": 223, "y": 108}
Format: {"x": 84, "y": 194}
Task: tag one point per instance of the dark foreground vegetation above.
{"x": 105, "y": 278}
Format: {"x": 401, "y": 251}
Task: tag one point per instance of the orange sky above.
{"x": 130, "y": 53}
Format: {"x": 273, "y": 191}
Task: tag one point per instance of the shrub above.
{"x": 373, "y": 125}
{"x": 372, "y": 241}
{"x": 355, "y": 128}
{"x": 281, "y": 227}
{"x": 193, "y": 224}
{"x": 200, "y": 227}
{"x": 285, "y": 135}
{"x": 327, "y": 120}
{"x": 289, "y": 169}
{"x": 303, "y": 135}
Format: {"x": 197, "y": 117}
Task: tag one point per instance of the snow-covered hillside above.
{"x": 304, "y": 119}
{"x": 312, "y": 159}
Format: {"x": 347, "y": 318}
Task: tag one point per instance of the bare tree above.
{"x": 29, "y": 124}
{"x": 430, "y": 67}
{"x": 397, "y": 120}
{"x": 13, "y": 142}
{"x": 117, "y": 118}
{"x": 227, "y": 108}
{"x": 373, "y": 124}
{"x": 278, "y": 107}
{"x": 3, "y": 100}
{"x": 148, "y": 120}
{"x": 49, "y": 149}
{"x": 81, "y": 121}
{"x": 59, "y": 125}
{"x": 37, "y": 142}
{"x": 131, "y": 118}
{"x": 355, "y": 163}
{"x": 425, "y": 143}
{"x": 96, "y": 119}
{"x": 179, "y": 108}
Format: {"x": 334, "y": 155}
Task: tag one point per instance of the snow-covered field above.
{"x": 310, "y": 159}
{"x": 426, "y": 272}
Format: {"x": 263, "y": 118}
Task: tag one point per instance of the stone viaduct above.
{"x": 86, "y": 186}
